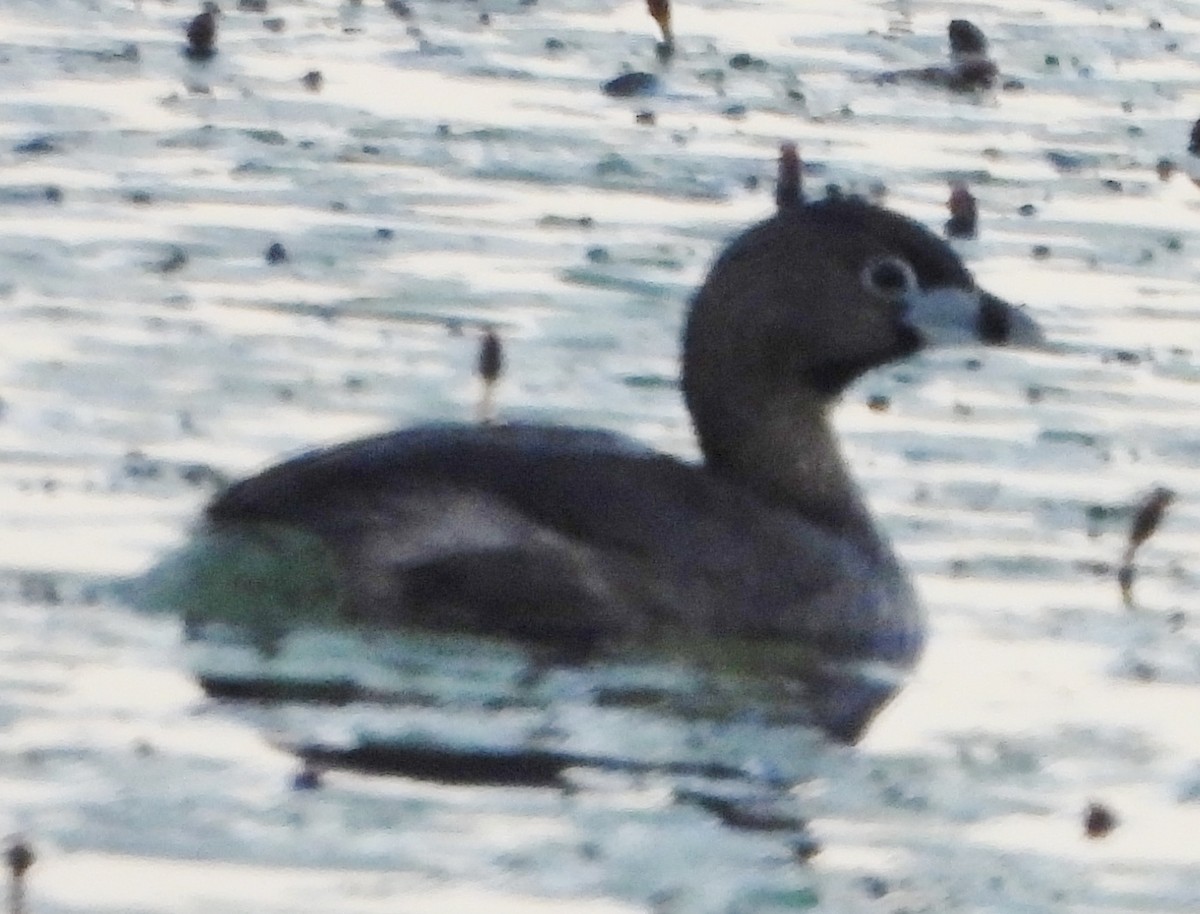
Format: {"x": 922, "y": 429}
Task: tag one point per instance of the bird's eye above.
{"x": 890, "y": 277}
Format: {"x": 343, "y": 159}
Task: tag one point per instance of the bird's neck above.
{"x": 784, "y": 449}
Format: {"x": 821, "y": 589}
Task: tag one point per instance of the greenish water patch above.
{"x": 717, "y": 679}
{"x": 1070, "y": 436}
{"x": 265, "y": 580}
{"x": 770, "y": 899}
{"x": 749, "y": 657}
{"x": 595, "y": 279}
{"x": 650, "y": 382}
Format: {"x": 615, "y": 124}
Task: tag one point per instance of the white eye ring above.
{"x": 889, "y": 277}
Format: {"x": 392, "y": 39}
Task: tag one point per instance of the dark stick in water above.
{"x": 1146, "y": 519}
{"x": 20, "y": 858}
{"x": 789, "y": 192}
{"x": 660, "y": 10}
{"x": 489, "y": 369}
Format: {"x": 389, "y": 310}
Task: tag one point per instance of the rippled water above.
{"x": 469, "y": 174}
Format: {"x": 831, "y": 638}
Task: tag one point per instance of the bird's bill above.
{"x": 954, "y": 316}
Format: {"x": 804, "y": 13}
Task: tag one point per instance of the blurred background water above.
{"x": 460, "y": 166}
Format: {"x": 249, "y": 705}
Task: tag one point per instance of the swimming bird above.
{"x": 970, "y": 69}
{"x": 585, "y": 545}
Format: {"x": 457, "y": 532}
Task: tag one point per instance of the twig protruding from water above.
{"x": 1146, "y": 518}
{"x": 489, "y": 369}
{"x": 964, "y": 212}
{"x": 789, "y": 193}
{"x": 19, "y": 857}
{"x": 660, "y": 11}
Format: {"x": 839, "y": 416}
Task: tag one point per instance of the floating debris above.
{"x": 175, "y": 261}
{"x": 398, "y": 8}
{"x": 309, "y": 777}
{"x": 630, "y": 85}
{"x": 1066, "y": 162}
{"x": 804, "y": 846}
{"x": 276, "y": 253}
{"x": 879, "y": 403}
{"x": 1098, "y": 820}
{"x": 555, "y": 221}
{"x": 19, "y": 857}
{"x": 763, "y": 813}
{"x": 39, "y": 145}
{"x": 1146, "y": 518}
{"x": 744, "y": 61}
{"x": 964, "y": 212}
{"x": 874, "y": 886}
{"x": 202, "y": 34}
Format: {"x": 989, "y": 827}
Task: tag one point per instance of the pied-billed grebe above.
{"x": 589, "y": 544}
